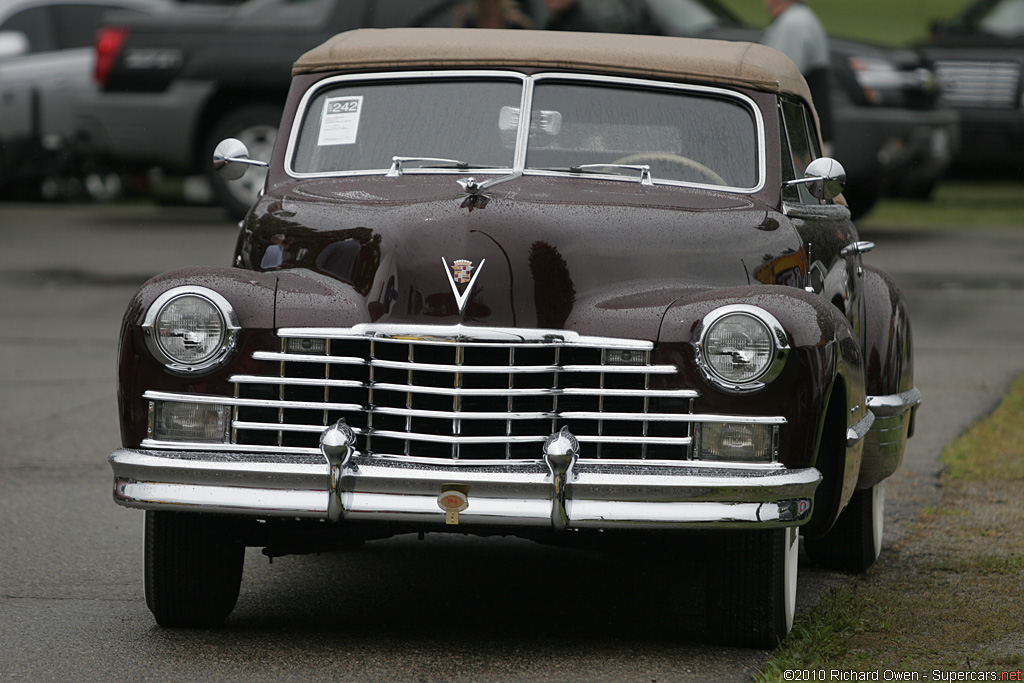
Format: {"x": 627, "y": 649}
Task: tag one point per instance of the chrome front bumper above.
{"x": 576, "y": 494}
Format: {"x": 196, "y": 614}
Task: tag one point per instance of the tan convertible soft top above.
{"x": 693, "y": 59}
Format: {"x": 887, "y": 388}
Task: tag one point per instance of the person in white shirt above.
{"x": 796, "y": 32}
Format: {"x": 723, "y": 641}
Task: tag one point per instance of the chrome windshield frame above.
{"x": 522, "y": 135}
{"x": 307, "y": 97}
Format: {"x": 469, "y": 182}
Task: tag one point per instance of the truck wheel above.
{"x": 193, "y": 569}
{"x": 751, "y": 587}
{"x": 855, "y": 541}
{"x": 255, "y": 125}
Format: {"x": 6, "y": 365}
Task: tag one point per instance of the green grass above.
{"x": 888, "y": 22}
{"x": 821, "y": 639}
{"x": 955, "y": 204}
{"x": 994, "y": 447}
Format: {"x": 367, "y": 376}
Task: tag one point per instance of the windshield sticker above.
{"x": 339, "y": 124}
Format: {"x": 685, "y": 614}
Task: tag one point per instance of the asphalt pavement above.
{"x": 447, "y": 608}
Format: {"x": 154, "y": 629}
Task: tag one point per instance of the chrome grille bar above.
{"x": 975, "y": 83}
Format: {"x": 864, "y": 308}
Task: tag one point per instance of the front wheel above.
{"x": 855, "y": 541}
{"x": 751, "y": 587}
{"x": 193, "y": 568}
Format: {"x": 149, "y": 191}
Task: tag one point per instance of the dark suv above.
{"x": 979, "y": 57}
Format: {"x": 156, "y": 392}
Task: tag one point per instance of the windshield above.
{"x": 681, "y": 135}
{"x": 579, "y": 125}
{"x": 363, "y": 125}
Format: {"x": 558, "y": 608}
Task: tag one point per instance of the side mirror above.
{"x": 13, "y": 44}
{"x": 231, "y": 159}
{"x": 825, "y": 178}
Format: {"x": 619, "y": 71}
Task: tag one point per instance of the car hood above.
{"x": 595, "y": 256}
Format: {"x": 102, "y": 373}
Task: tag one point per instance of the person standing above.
{"x": 796, "y": 32}
{"x": 598, "y": 16}
{"x": 491, "y": 14}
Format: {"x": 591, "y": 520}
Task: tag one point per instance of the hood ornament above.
{"x": 461, "y": 273}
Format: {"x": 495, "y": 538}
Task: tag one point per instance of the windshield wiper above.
{"x": 396, "y": 164}
{"x": 645, "y": 170}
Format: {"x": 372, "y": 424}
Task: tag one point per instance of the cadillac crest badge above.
{"x": 461, "y": 272}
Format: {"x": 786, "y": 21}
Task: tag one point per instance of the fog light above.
{"x": 193, "y": 422}
{"x": 738, "y": 442}
{"x": 310, "y": 347}
{"x": 625, "y": 357}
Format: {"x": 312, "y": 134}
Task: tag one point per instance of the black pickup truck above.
{"x": 171, "y": 88}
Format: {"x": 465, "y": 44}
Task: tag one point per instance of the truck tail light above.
{"x": 109, "y": 41}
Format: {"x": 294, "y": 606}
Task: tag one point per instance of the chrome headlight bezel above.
{"x": 777, "y": 352}
{"x": 228, "y": 323}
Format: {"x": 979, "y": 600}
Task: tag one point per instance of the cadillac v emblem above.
{"x": 462, "y": 272}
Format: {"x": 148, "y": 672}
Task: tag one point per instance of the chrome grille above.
{"x": 464, "y": 393}
{"x": 979, "y": 83}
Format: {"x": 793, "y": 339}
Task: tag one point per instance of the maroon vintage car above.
{"x": 499, "y": 283}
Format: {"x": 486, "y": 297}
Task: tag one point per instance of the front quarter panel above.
{"x": 251, "y": 296}
{"x": 820, "y": 392}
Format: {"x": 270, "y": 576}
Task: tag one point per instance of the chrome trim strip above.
{"x": 524, "y": 369}
{"x": 462, "y": 415}
{"x": 457, "y": 439}
{"x": 220, "y": 499}
{"x": 286, "y": 427}
{"x": 467, "y": 335}
{"x": 638, "y": 440}
{"x": 297, "y": 381}
{"x": 277, "y": 356}
{"x": 156, "y": 444}
{"x": 672, "y": 417}
{"x": 894, "y": 404}
{"x": 248, "y": 402}
{"x": 860, "y": 429}
{"x": 457, "y": 391}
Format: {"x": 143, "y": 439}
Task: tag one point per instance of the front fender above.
{"x": 250, "y": 295}
{"x": 821, "y": 390}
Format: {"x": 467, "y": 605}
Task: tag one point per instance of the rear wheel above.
{"x": 752, "y": 581}
{"x": 193, "y": 568}
{"x": 855, "y": 541}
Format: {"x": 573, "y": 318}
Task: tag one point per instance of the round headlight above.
{"x": 190, "y": 328}
{"x": 741, "y": 345}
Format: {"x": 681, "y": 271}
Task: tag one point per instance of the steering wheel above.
{"x": 645, "y": 157}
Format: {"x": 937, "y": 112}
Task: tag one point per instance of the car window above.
{"x": 1004, "y": 19}
{"x": 76, "y": 25}
{"x": 801, "y": 148}
{"x": 36, "y": 24}
{"x": 357, "y": 126}
{"x": 682, "y": 135}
